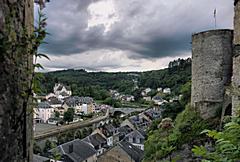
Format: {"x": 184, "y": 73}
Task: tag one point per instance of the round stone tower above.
{"x": 236, "y": 61}
{"x": 211, "y": 70}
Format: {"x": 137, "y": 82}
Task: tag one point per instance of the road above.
{"x": 65, "y": 128}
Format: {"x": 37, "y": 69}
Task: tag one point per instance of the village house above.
{"x": 109, "y": 132}
{"x": 59, "y": 89}
{"x": 167, "y": 91}
{"x": 146, "y": 91}
{"x": 159, "y": 89}
{"x": 54, "y": 102}
{"x": 97, "y": 141}
{"x": 128, "y": 98}
{"x": 43, "y": 112}
{"x": 76, "y": 151}
{"x": 81, "y": 105}
{"x": 137, "y": 122}
{"x": 123, "y": 131}
{"x": 122, "y": 152}
{"x": 136, "y": 138}
{"x": 158, "y": 100}
{"x": 147, "y": 98}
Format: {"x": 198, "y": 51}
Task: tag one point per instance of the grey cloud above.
{"x": 151, "y": 29}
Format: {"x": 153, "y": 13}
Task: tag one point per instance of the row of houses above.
{"x": 105, "y": 144}
{"x": 108, "y": 143}
{"x": 146, "y": 91}
{"x": 60, "y": 101}
{"x": 46, "y": 110}
{"x": 118, "y": 96}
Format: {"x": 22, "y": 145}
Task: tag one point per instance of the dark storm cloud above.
{"x": 151, "y": 29}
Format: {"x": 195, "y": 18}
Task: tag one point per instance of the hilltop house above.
{"x": 62, "y": 90}
{"x": 76, "y": 151}
{"x": 43, "y": 112}
{"x": 146, "y": 91}
{"x": 123, "y": 151}
{"x": 128, "y": 98}
{"x": 158, "y": 100}
{"x": 167, "y": 90}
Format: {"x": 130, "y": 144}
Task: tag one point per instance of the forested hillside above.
{"x": 97, "y": 84}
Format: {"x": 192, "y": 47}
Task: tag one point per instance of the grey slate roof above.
{"x": 80, "y": 150}
{"x": 64, "y": 93}
{"x": 135, "y": 153}
{"x": 123, "y": 131}
{"x": 75, "y": 100}
{"x": 136, "y": 134}
{"x": 95, "y": 139}
{"x": 54, "y": 101}
{"x": 44, "y": 104}
{"x": 37, "y": 158}
{"x": 109, "y": 130}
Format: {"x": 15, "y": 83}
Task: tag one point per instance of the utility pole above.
{"x": 215, "y": 17}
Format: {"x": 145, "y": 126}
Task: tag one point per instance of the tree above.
{"x": 15, "y": 76}
{"x": 68, "y": 115}
{"x": 57, "y": 114}
{"x": 226, "y": 144}
{"x": 48, "y": 146}
{"x": 36, "y": 148}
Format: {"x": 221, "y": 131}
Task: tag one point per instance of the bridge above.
{"x": 126, "y": 111}
{"x": 60, "y": 129}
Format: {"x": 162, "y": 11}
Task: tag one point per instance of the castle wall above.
{"x": 236, "y": 61}
{"x": 211, "y": 70}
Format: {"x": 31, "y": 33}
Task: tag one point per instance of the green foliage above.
{"x": 48, "y": 146}
{"x": 97, "y": 84}
{"x": 68, "y": 115}
{"x": 172, "y": 109}
{"x": 36, "y": 148}
{"x": 226, "y": 146}
{"x": 36, "y": 40}
{"x": 112, "y": 102}
{"x": 57, "y": 114}
{"x": 187, "y": 128}
{"x": 186, "y": 93}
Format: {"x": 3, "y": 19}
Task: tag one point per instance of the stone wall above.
{"x": 16, "y": 20}
{"x": 211, "y": 70}
{"x": 236, "y": 61}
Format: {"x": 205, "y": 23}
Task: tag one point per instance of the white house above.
{"x": 44, "y": 111}
{"x": 146, "y": 91}
{"x": 60, "y": 89}
{"x": 167, "y": 90}
{"x": 147, "y": 98}
{"x": 159, "y": 89}
{"x": 158, "y": 100}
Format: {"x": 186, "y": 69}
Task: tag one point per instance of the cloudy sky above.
{"x": 127, "y": 35}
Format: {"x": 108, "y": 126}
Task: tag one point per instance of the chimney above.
{"x": 70, "y": 148}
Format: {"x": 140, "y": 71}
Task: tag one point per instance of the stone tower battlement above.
{"x": 216, "y": 66}
{"x": 211, "y": 69}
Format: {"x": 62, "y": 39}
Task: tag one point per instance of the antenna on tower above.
{"x": 215, "y": 17}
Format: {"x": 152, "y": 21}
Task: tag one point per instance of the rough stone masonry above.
{"x": 215, "y": 69}
{"x": 211, "y": 70}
